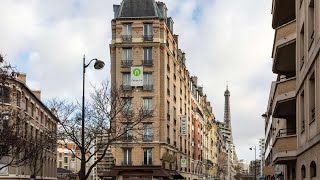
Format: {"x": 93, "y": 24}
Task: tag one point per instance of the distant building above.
{"x": 254, "y": 168}
{"x": 244, "y": 166}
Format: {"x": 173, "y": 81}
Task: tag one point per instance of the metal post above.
{"x": 83, "y": 157}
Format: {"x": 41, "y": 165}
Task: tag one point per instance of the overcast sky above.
{"x": 224, "y": 40}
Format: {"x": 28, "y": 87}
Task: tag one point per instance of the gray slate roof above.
{"x": 138, "y": 8}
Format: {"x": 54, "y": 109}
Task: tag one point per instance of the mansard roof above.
{"x": 138, "y": 8}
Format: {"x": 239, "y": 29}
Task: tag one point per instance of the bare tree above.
{"x": 109, "y": 113}
{"x": 18, "y": 146}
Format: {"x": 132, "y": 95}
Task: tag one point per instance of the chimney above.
{"x": 37, "y": 93}
{"x": 116, "y": 10}
{"x": 22, "y": 77}
{"x": 163, "y": 9}
{"x": 170, "y": 24}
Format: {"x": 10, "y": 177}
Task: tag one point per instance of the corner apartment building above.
{"x": 143, "y": 38}
{"x": 292, "y": 119}
{"x": 39, "y": 120}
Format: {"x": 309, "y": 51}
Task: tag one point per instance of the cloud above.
{"x": 223, "y": 40}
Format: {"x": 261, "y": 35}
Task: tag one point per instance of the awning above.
{"x": 155, "y": 171}
{"x": 175, "y": 174}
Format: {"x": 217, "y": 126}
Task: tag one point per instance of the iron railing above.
{"x": 126, "y": 63}
{"x": 127, "y": 87}
{"x": 286, "y": 132}
{"x": 126, "y": 37}
{"x": 148, "y": 37}
{"x": 147, "y": 62}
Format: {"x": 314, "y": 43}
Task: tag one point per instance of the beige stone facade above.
{"x": 40, "y": 119}
{"x": 293, "y": 112}
{"x": 170, "y": 90}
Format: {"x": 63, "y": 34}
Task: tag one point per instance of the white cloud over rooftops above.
{"x": 223, "y": 40}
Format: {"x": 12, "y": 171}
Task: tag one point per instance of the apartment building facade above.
{"x": 175, "y": 142}
{"x": 39, "y": 121}
{"x": 292, "y": 117}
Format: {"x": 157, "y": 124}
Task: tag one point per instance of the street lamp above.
{"x": 255, "y": 157}
{"x": 97, "y": 65}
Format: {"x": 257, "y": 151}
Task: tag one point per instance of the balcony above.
{"x": 126, "y": 38}
{"x": 147, "y": 163}
{"x": 284, "y": 49}
{"x": 147, "y": 37}
{"x": 284, "y": 105}
{"x": 126, "y": 87}
{"x": 126, "y": 63}
{"x": 147, "y": 138}
{"x": 148, "y": 87}
{"x": 127, "y": 138}
{"x": 147, "y": 62}
{"x": 285, "y": 146}
{"x": 283, "y": 11}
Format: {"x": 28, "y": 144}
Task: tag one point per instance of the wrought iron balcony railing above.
{"x": 127, "y": 38}
{"x": 126, "y": 163}
{"x": 147, "y": 163}
{"x": 147, "y": 138}
{"x": 126, "y": 63}
{"x": 148, "y": 37}
{"x": 127, "y": 87}
{"x": 286, "y": 132}
{"x": 147, "y": 62}
{"x": 148, "y": 87}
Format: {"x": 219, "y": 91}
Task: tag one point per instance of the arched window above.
{"x": 303, "y": 172}
{"x": 313, "y": 169}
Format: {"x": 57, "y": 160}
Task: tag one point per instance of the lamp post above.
{"x": 97, "y": 65}
{"x": 255, "y": 157}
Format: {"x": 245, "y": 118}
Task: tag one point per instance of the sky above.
{"x": 223, "y": 41}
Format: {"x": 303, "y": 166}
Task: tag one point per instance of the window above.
{"x": 127, "y": 132}
{"x": 41, "y": 117}
{"x": 26, "y": 105}
{"x": 147, "y": 81}
{"x": 18, "y": 98}
{"x": 127, "y": 32}
{"x": 127, "y": 106}
{"x": 312, "y": 98}
{"x": 127, "y": 157}
{"x": 303, "y": 172}
{"x": 147, "y": 156}
{"x": 313, "y": 169}
{"x": 147, "y": 106}
{"x": 147, "y": 32}
{"x": 147, "y": 56}
{"x": 4, "y": 94}
{"x": 311, "y": 14}
{"x": 302, "y": 112}
{"x": 127, "y": 57}
{"x": 302, "y": 46}
{"x": 126, "y": 81}
{"x": 4, "y": 120}
{"x": 60, "y": 164}
{"x": 32, "y": 109}
{"x": 147, "y": 132}
{"x": 65, "y": 159}
{"x": 60, "y": 155}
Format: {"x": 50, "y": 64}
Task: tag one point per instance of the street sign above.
{"x": 184, "y": 125}
{"x": 183, "y": 163}
{"x": 137, "y": 76}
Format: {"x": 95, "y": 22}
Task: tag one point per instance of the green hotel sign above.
{"x": 136, "y": 76}
{"x": 136, "y": 72}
